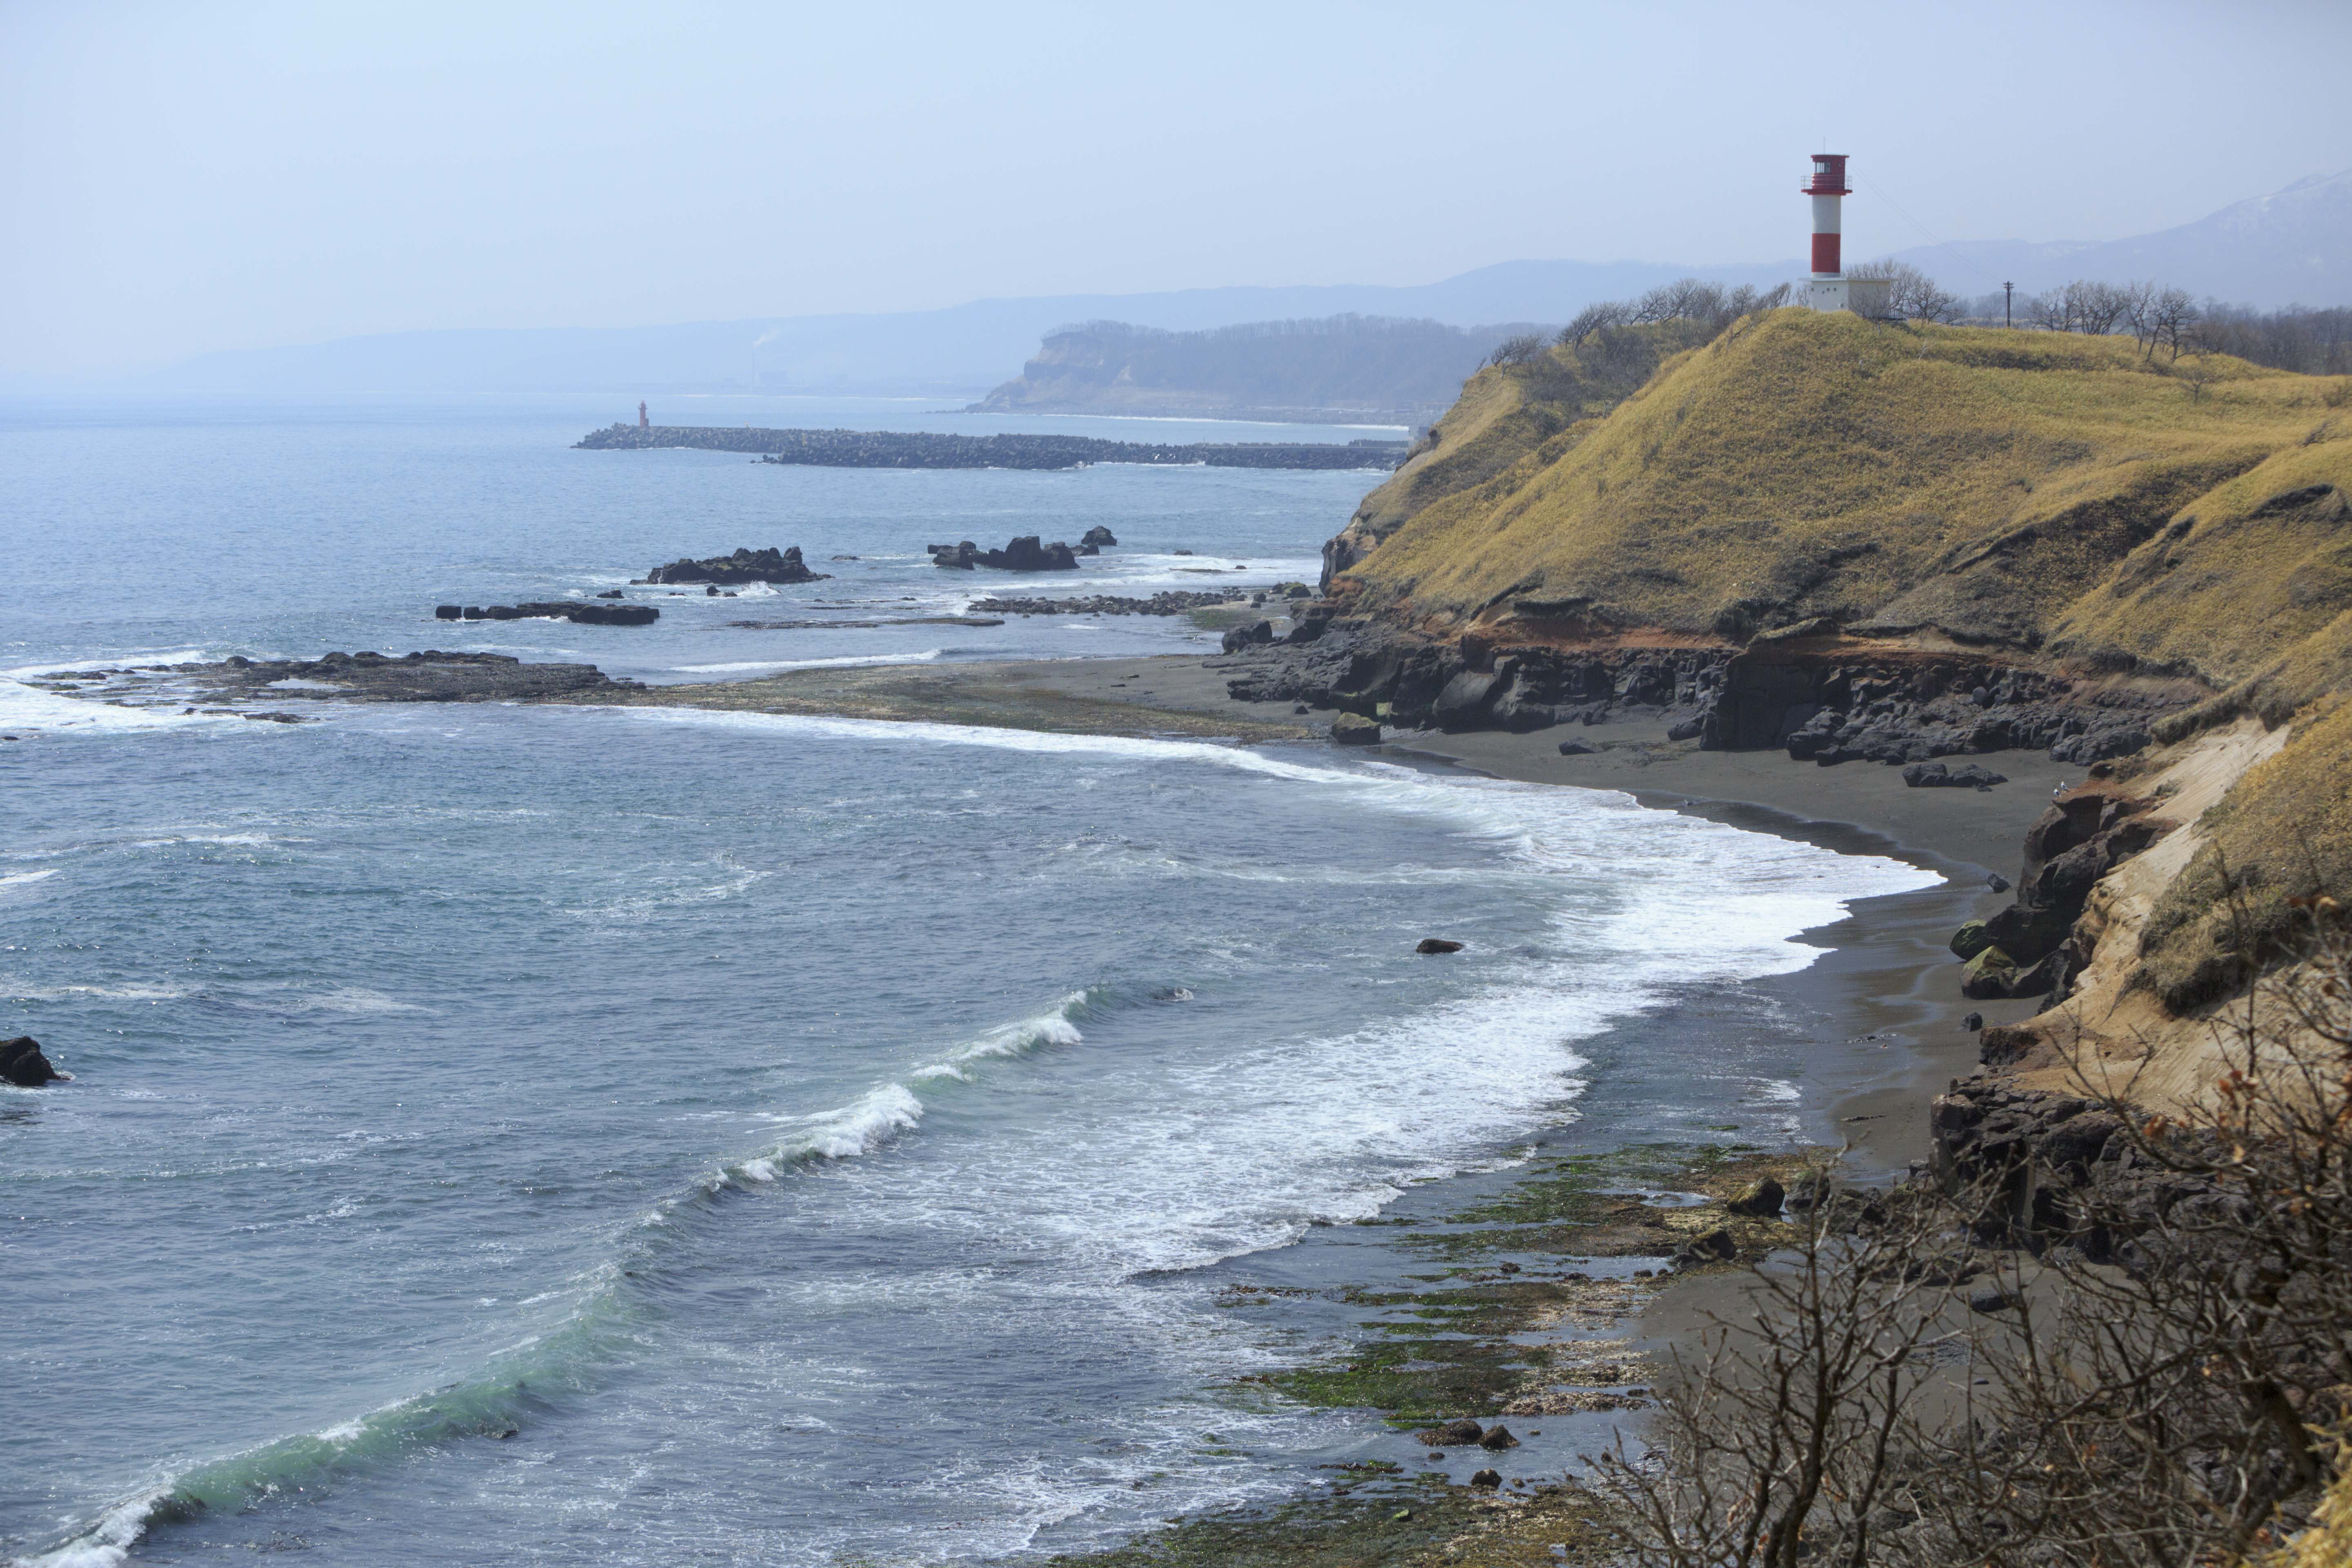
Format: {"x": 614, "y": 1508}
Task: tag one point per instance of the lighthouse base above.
{"x": 1862, "y": 296}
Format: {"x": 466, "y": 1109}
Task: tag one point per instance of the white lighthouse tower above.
{"x": 1829, "y": 289}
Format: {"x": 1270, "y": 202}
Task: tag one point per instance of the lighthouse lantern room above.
{"x": 1829, "y": 288}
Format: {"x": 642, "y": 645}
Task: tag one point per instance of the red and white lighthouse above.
{"x": 1829, "y": 289}
{"x": 1828, "y": 188}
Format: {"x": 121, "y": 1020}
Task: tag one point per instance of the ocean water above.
{"x": 639, "y": 1135}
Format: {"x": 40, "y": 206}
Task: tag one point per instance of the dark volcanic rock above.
{"x": 428, "y": 676}
{"x": 2085, "y": 833}
{"x": 1758, "y": 1200}
{"x": 1256, "y": 632}
{"x": 1355, "y": 730}
{"x": 22, "y": 1064}
{"x": 573, "y": 610}
{"x": 1496, "y": 1438}
{"x": 1436, "y": 944}
{"x": 1098, "y": 536}
{"x": 769, "y": 565}
{"x": 1026, "y": 554}
{"x": 1488, "y": 1479}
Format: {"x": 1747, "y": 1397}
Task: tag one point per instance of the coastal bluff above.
{"x": 926, "y": 449}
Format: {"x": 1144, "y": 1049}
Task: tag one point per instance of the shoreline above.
{"x": 1883, "y": 972}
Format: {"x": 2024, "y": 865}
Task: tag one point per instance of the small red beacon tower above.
{"x": 1829, "y": 289}
{"x": 641, "y": 413}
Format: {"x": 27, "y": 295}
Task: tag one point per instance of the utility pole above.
{"x": 2008, "y": 293}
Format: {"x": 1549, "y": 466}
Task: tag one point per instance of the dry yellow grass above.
{"x": 1808, "y": 464}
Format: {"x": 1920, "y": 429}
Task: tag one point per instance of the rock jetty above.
{"x": 569, "y": 610}
{"x": 769, "y": 565}
{"x": 922, "y": 449}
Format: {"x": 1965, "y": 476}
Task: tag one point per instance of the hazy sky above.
{"x": 189, "y": 176}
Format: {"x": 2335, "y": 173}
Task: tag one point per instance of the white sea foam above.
{"x": 13, "y": 877}
{"x": 745, "y": 667}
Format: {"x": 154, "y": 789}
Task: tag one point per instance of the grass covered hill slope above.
{"x": 1906, "y": 543}
{"x": 1804, "y": 465}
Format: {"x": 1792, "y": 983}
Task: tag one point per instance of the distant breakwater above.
{"x": 922, "y": 449}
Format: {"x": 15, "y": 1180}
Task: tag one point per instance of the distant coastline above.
{"x": 921, "y": 450}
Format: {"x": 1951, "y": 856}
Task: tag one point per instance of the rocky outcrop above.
{"x": 1022, "y": 554}
{"x": 1473, "y": 683}
{"x": 2087, "y": 833}
{"x": 1173, "y": 603}
{"x": 769, "y": 565}
{"x": 2052, "y": 1170}
{"x": 22, "y": 1064}
{"x": 430, "y": 675}
{"x": 572, "y": 610}
{"x": 1099, "y": 537}
{"x": 1829, "y": 700}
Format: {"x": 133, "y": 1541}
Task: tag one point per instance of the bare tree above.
{"x": 1912, "y": 295}
{"x": 1593, "y": 317}
{"x": 1782, "y": 1433}
{"x": 1517, "y": 348}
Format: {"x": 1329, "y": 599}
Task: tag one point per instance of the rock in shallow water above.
{"x": 22, "y": 1064}
{"x": 1436, "y": 944}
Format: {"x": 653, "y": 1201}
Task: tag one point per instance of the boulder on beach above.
{"x": 1715, "y": 1245}
{"x": 1251, "y": 635}
{"x": 22, "y": 1064}
{"x": 1988, "y": 976}
{"x": 1436, "y": 944}
{"x": 1488, "y": 1479}
{"x": 1757, "y": 1200}
{"x": 1355, "y": 730}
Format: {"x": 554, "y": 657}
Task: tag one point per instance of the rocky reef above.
{"x": 430, "y": 675}
{"x": 1174, "y": 602}
{"x": 769, "y": 565}
{"x": 1026, "y": 554}
{"x": 572, "y": 610}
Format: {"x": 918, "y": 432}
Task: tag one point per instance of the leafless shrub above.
{"x": 1517, "y": 348}
{"x": 1784, "y": 1431}
{"x": 1915, "y": 296}
{"x": 2149, "y": 1362}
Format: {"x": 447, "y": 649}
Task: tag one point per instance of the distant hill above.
{"x": 1341, "y": 367}
{"x": 2292, "y": 248}
{"x": 957, "y": 353}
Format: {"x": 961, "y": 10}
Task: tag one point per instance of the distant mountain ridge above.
{"x": 2294, "y": 247}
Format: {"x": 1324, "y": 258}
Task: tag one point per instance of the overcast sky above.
{"x": 182, "y": 177}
